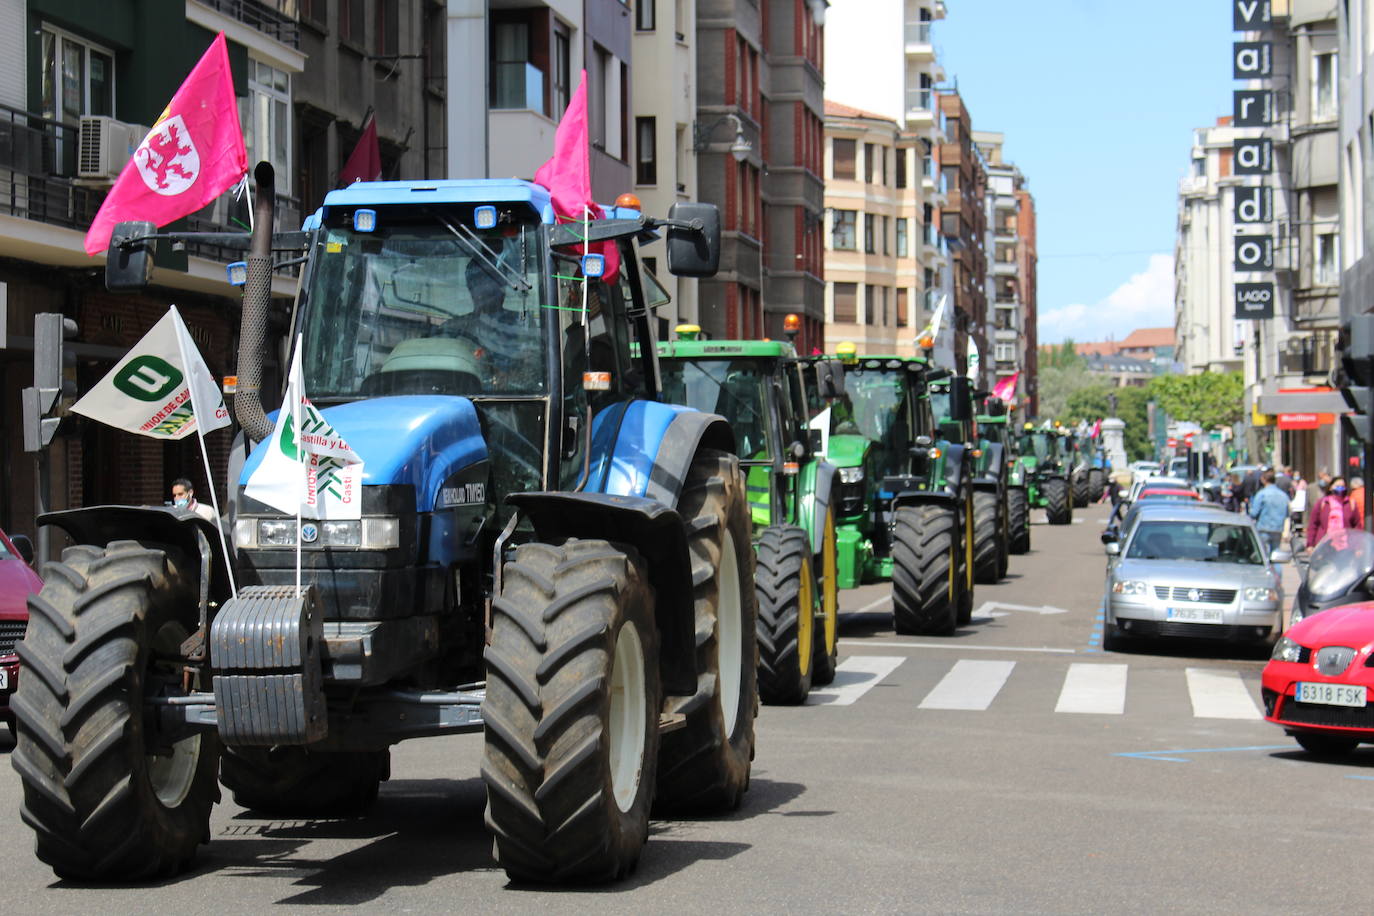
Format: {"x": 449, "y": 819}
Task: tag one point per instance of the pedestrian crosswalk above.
{"x": 1082, "y": 688}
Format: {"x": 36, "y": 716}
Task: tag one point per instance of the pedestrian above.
{"x": 1357, "y": 499}
{"x": 1284, "y": 481}
{"x": 184, "y": 497}
{"x": 1297, "y": 510}
{"x": 1333, "y": 514}
{"x": 1250, "y": 485}
{"x": 1230, "y": 492}
{"x": 1269, "y": 509}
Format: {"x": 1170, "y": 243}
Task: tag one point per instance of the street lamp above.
{"x": 701, "y": 136}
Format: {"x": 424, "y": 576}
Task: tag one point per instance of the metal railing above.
{"x": 918, "y": 33}
{"x": 274, "y": 18}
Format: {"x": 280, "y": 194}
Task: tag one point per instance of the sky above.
{"x": 1098, "y": 100}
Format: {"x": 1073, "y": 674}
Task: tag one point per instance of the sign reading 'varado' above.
{"x": 1254, "y": 205}
{"x": 1254, "y": 252}
{"x": 1254, "y": 300}
{"x": 1252, "y": 107}
{"x": 1252, "y": 157}
{"x": 1252, "y": 60}
{"x": 1251, "y": 16}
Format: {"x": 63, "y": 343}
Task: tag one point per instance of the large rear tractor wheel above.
{"x": 925, "y": 591}
{"x": 1080, "y": 487}
{"x": 704, "y": 766}
{"x": 986, "y": 559}
{"x": 298, "y": 782}
{"x": 1097, "y": 485}
{"x": 1018, "y": 520}
{"x": 571, "y": 713}
{"x": 828, "y": 632}
{"x": 1058, "y": 509}
{"x": 111, "y": 798}
{"x": 786, "y": 592}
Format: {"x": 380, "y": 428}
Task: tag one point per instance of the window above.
{"x": 562, "y": 71}
{"x": 266, "y": 117}
{"x": 515, "y": 81}
{"x": 1324, "y": 93}
{"x": 388, "y": 27}
{"x": 1325, "y": 261}
{"x": 1004, "y": 352}
{"x": 644, "y": 15}
{"x": 901, "y": 307}
{"x": 605, "y": 103}
{"x": 870, "y": 240}
{"x": 870, "y": 304}
{"x": 646, "y": 151}
{"x": 842, "y": 152}
{"x": 313, "y": 11}
{"x": 680, "y": 19}
{"x": 927, "y": 165}
{"x": 899, "y": 167}
{"x": 842, "y": 235}
{"x": 351, "y": 22}
{"x": 901, "y": 237}
{"x": 887, "y": 244}
{"x": 846, "y": 302}
{"x": 78, "y": 77}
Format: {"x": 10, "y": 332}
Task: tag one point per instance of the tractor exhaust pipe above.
{"x": 257, "y": 296}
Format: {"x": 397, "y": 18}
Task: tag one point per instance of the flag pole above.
{"x": 204, "y": 454}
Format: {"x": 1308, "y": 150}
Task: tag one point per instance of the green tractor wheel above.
{"x": 1018, "y": 518}
{"x": 786, "y": 590}
{"x": 827, "y": 639}
{"x": 1058, "y": 505}
{"x": 925, "y": 587}
{"x": 986, "y": 549}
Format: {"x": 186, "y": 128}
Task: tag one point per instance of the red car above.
{"x": 17, "y": 582}
{"x": 1167, "y": 493}
{"x": 1317, "y": 683}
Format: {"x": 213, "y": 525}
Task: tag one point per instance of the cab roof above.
{"x": 454, "y": 191}
{"x": 696, "y": 349}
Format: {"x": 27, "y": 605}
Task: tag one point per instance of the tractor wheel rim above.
{"x": 171, "y": 776}
{"x": 729, "y": 632}
{"x": 626, "y": 717}
{"x": 806, "y": 617}
{"x": 831, "y": 594}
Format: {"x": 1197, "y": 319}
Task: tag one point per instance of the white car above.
{"x": 1142, "y": 469}
{"x": 1156, "y": 481}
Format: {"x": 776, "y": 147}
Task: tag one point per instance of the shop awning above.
{"x": 1301, "y": 401}
{"x": 1305, "y": 420}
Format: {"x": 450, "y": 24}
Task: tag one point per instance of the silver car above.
{"x": 1194, "y": 573}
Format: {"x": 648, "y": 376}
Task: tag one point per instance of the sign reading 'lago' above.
{"x": 1254, "y": 300}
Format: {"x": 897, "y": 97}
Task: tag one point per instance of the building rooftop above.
{"x": 1147, "y": 337}
{"x": 837, "y": 110}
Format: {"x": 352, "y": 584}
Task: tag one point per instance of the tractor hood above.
{"x": 846, "y": 451}
{"x": 419, "y": 440}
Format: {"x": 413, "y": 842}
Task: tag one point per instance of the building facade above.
{"x": 963, "y": 220}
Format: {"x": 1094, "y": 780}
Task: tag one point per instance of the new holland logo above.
{"x": 167, "y": 158}
{"x": 310, "y": 532}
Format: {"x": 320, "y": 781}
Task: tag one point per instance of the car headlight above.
{"x": 1128, "y": 587}
{"x": 1261, "y": 594}
{"x": 1286, "y": 650}
{"x": 851, "y": 475}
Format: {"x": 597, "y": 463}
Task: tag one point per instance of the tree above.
{"x": 1210, "y": 400}
{"x": 1057, "y": 384}
{"x": 1063, "y": 356}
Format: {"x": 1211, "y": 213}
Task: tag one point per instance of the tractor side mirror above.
{"x": 960, "y": 399}
{"x": 694, "y": 252}
{"x": 815, "y": 441}
{"x": 22, "y": 544}
{"x": 129, "y": 264}
{"x": 830, "y": 379}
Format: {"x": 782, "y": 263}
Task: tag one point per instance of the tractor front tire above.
{"x": 299, "y": 782}
{"x": 704, "y": 766}
{"x": 1081, "y": 488}
{"x": 571, "y": 713}
{"x": 828, "y": 633}
{"x": 925, "y": 595}
{"x": 1058, "y": 508}
{"x": 1018, "y": 515}
{"x": 107, "y": 801}
{"x": 986, "y": 542}
{"x": 1097, "y": 485}
{"x": 786, "y": 591}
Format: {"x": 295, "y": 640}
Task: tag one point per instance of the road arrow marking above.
{"x": 1159, "y": 755}
{"x": 986, "y": 609}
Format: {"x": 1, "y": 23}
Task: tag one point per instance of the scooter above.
{"x": 1340, "y": 572}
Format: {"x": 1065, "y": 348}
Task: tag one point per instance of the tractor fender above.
{"x": 196, "y": 539}
{"x": 653, "y": 529}
{"x": 827, "y": 476}
{"x": 687, "y": 433}
{"x": 990, "y": 484}
{"x": 906, "y": 499}
{"x": 996, "y": 461}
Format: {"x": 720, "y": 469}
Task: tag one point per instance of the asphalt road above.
{"x": 1014, "y": 767}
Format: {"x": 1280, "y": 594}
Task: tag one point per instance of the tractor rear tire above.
{"x": 925, "y": 593}
{"x": 572, "y": 713}
{"x": 986, "y": 540}
{"x": 785, "y": 587}
{"x": 704, "y": 766}
{"x": 1058, "y": 508}
{"x": 299, "y": 782}
{"x": 103, "y": 637}
{"x": 1018, "y": 515}
{"x": 1097, "y": 485}
{"x": 1081, "y": 490}
{"x": 828, "y": 632}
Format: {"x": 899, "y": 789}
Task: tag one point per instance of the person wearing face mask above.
{"x": 184, "y": 497}
{"x": 1333, "y": 513}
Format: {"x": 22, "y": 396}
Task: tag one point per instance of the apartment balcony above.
{"x": 1193, "y": 184}
{"x": 918, "y": 41}
{"x": 936, "y": 188}
{"x": 1003, "y": 268}
{"x": 275, "y": 19}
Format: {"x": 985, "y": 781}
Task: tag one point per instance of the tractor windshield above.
{"x": 425, "y": 306}
{"x": 733, "y": 388}
{"x": 1041, "y": 445}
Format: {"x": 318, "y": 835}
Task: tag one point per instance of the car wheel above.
{"x": 1325, "y": 745}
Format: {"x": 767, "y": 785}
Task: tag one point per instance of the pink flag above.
{"x": 192, "y": 155}
{"x": 568, "y": 173}
{"x": 365, "y": 162}
{"x": 1097, "y": 429}
{"x": 1005, "y": 389}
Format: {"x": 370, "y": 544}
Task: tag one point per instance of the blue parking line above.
{"x": 1357, "y": 776}
{"x": 1155, "y": 755}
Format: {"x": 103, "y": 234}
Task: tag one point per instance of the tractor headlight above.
{"x": 276, "y": 532}
{"x": 367, "y": 533}
{"x": 1261, "y": 594}
{"x": 381, "y": 533}
{"x": 851, "y": 475}
{"x": 1128, "y": 587}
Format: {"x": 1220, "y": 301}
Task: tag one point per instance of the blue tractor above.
{"x": 547, "y": 555}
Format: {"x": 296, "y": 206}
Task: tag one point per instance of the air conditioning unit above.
{"x": 105, "y": 146}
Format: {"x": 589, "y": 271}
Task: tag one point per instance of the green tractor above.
{"x": 991, "y": 510}
{"x": 1044, "y": 461}
{"x": 995, "y": 427}
{"x": 757, "y": 385}
{"x": 905, "y": 501}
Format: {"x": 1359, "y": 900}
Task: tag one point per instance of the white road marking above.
{"x": 969, "y": 685}
{"x": 1220, "y": 695}
{"x": 854, "y": 677}
{"x": 872, "y": 643}
{"x": 985, "y": 609}
{"x": 1093, "y": 688}
{"x": 872, "y": 604}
